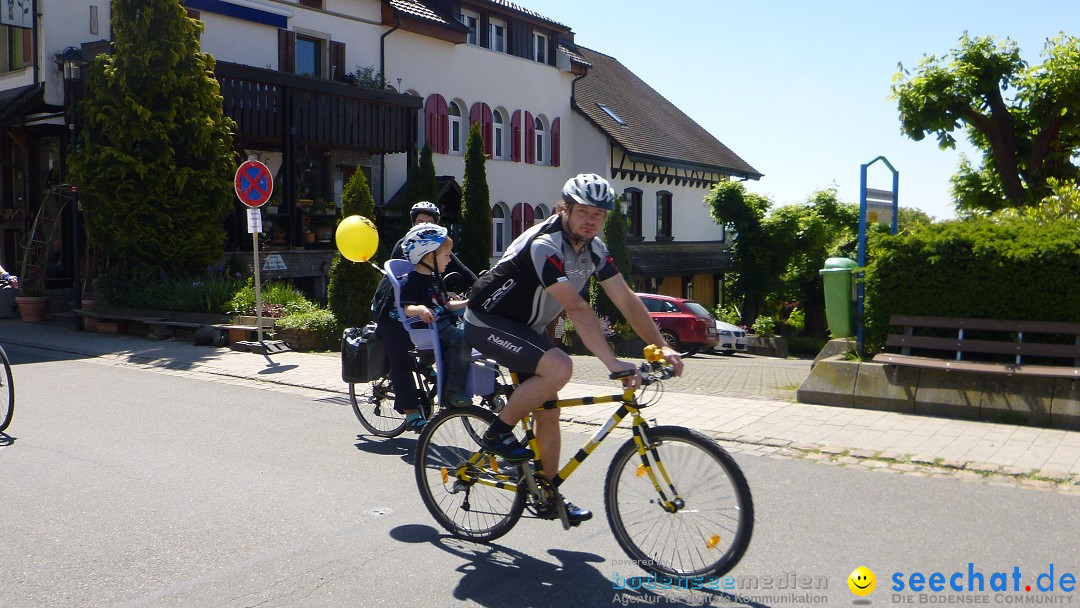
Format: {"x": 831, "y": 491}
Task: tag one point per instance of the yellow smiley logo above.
{"x": 862, "y": 581}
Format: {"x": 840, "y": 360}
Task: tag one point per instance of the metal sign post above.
{"x": 875, "y": 205}
{"x": 253, "y": 185}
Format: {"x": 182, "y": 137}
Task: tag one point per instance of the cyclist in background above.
{"x": 541, "y": 274}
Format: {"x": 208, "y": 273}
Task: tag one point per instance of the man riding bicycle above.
{"x": 541, "y": 274}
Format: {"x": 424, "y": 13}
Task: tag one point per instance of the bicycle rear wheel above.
{"x": 376, "y": 410}
{"x": 467, "y": 492}
{"x": 709, "y": 528}
{"x": 7, "y": 393}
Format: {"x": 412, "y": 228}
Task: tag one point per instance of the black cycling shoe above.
{"x": 575, "y": 514}
{"x": 506, "y": 446}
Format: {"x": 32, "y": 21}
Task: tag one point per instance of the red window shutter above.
{"x": 555, "y": 142}
{"x": 337, "y": 61}
{"x": 27, "y": 47}
{"x": 487, "y": 129}
{"x": 480, "y": 114}
{"x": 515, "y": 136}
{"x": 521, "y": 219}
{"x": 286, "y": 51}
{"x": 530, "y": 138}
{"x": 437, "y": 124}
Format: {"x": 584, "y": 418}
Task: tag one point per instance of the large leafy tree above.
{"x": 1024, "y": 119}
{"x": 352, "y": 284}
{"x": 474, "y": 250}
{"x": 155, "y": 161}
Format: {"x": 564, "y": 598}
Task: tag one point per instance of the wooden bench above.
{"x": 1020, "y": 348}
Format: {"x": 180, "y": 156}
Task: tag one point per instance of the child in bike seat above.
{"x": 423, "y": 295}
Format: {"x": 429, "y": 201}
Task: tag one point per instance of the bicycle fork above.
{"x": 647, "y": 450}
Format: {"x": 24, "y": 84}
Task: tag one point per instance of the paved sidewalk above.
{"x": 882, "y": 441}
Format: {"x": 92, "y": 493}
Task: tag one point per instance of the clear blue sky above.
{"x": 799, "y": 89}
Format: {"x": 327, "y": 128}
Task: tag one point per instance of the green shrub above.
{"x": 204, "y": 293}
{"x": 979, "y": 268}
{"x": 353, "y": 284}
{"x": 764, "y": 326}
{"x": 728, "y": 314}
{"x": 322, "y": 321}
{"x": 278, "y": 300}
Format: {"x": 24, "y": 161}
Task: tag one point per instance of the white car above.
{"x": 732, "y": 338}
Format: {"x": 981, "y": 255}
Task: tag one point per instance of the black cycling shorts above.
{"x": 510, "y": 343}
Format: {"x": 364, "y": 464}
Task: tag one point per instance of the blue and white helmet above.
{"x": 421, "y": 240}
{"x": 589, "y": 189}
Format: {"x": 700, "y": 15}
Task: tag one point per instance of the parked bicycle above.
{"x": 375, "y": 409}
{"x": 676, "y": 501}
{"x": 7, "y": 392}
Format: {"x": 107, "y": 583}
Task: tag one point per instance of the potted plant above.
{"x": 32, "y": 302}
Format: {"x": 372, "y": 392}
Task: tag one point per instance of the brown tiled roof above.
{"x": 521, "y": 9}
{"x": 655, "y": 129}
{"x": 418, "y": 9}
{"x": 659, "y": 259}
{"x": 572, "y": 53}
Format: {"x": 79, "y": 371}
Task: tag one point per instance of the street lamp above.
{"x": 71, "y": 61}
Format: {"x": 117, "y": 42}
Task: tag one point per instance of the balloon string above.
{"x": 376, "y": 267}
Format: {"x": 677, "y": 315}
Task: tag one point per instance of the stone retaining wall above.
{"x": 953, "y": 394}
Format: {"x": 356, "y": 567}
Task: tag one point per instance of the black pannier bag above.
{"x": 363, "y": 358}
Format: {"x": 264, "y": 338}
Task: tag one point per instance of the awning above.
{"x": 677, "y": 258}
{"x": 16, "y": 103}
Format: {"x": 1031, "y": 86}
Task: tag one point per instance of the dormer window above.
{"x": 612, "y": 114}
{"x": 472, "y": 21}
{"x": 497, "y": 35}
{"x": 540, "y": 45}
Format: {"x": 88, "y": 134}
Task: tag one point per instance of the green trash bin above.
{"x": 839, "y": 303}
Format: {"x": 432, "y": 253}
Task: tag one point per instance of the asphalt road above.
{"x": 129, "y": 487}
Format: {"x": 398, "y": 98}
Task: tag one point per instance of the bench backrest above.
{"x": 988, "y": 337}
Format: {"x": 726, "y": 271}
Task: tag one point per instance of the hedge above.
{"x": 978, "y": 268}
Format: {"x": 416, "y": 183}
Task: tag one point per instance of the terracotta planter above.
{"x": 32, "y": 308}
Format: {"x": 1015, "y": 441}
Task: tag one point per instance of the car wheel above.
{"x": 672, "y": 340}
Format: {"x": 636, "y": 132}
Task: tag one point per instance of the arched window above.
{"x": 539, "y": 214}
{"x": 455, "y": 128}
{"x": 498, "y": 229}
{"x": 539, "y": 141}
{"x": 499, "y": 136}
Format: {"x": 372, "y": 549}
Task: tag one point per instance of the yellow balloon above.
{"x": 357, "y": 238}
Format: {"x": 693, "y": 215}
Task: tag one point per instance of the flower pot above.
{"x": 32, "y": 308}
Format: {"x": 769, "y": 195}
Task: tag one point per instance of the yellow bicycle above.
{"x": 676, "y": 501}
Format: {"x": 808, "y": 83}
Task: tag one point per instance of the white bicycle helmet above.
{"x": 424, "y": 207}
{"x": 421, "y": 240}
{"x": 589, "y": 189}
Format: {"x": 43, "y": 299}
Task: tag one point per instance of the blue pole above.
{"x": 861, "y": 261}
{"x": 895, "y": 201}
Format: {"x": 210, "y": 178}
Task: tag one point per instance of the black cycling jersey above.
{"x": 516, "y": 287}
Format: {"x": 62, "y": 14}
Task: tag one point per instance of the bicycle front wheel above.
{"x": 699, "y": 523}
{"x": 7, "y": 393}
{"x": 471, "y": 494}
{"x": 376, "y": 410}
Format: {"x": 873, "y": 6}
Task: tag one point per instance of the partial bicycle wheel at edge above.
{"x": 710, "y": 531}
{"x": 7, "y": 393}
{"x": 465, "y": 499}
{"x": 375, "y": 410}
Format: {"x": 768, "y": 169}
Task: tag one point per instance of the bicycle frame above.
{"x": 628, "y": 407}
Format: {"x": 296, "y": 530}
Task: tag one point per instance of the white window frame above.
{"x": 498, "y": 230}
{"x": 498, "y": 133}
{"x": 455, "y": 128}
{"x": 471, "y": 20}
{"x": 539, "y": 141}
{"x": 540, "y": 47}
{"x": 497, "y": 43}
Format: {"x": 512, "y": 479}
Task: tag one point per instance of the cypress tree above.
{"x": 155, "y": 161}
{"x": 427, "y": 188}
{"x": 474, "y": 250}
{"x": 352, "y": 284}
{"x": 615, "y": 239}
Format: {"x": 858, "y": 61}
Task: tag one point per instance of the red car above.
{"x": 686, "y": 325}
